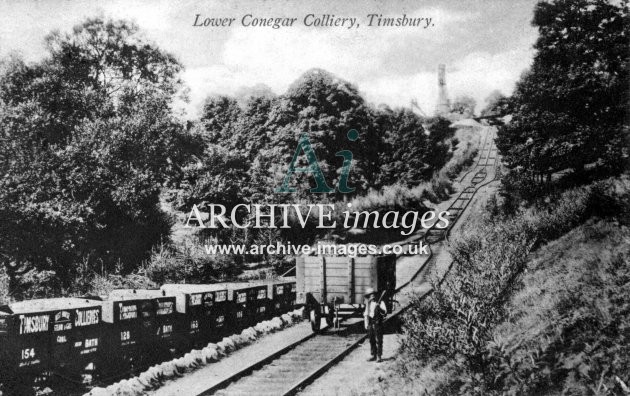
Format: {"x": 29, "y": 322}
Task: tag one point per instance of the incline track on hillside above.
{"x": 481, "y": 145}
{"x": 290, "y": 369}
{"x": 487, "y": 160}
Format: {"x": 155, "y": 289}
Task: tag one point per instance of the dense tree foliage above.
{"x": 88, "y": 141}
{"x": 570, "y": 109}
{"x": 393, "y": 146}
{"x": 248, "y": 144}
{"x": 405, "y": 147}
{"x": 438, "y": 151}
{"x": 219, "y": 118}
{"x": 325, "y": 108}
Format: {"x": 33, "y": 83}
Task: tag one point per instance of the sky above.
{"x": 485, "y": 44}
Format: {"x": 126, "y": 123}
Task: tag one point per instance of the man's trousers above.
{"x": 375, "y": 332}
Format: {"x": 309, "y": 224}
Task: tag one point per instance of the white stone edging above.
{"x": 157, "y": 375}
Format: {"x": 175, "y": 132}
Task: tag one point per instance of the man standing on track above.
{"x": 375, "y": 312}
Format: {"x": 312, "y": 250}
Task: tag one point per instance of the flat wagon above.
{"x": 333, "y": 287}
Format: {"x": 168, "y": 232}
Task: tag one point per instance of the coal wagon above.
{"x": 160, "y": 321}
{"x": 333, "y": 287}
{"x": 58, "y": 336}
{"x": 204, "y": 311}
{"x": 133, "y": 326}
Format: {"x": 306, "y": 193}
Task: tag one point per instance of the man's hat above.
{"x": 369, "y": 291}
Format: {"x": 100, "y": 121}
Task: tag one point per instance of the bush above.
{"x": 103, "y": 284}
{"x": 280, "y": 263}
{"x": 36, "y": 284}
{"x": 401, "y": 198}
{"x": 461, "y": 160}
{"x": 569, "y": 331}
{"x": 441, "y": 185}
{"x": 190, "y": 264}
{"x": 394, "y": 197}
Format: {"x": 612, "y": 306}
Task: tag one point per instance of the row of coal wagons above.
{"x": 110, "y": 336}
{"x": 149, "y": 326}
{"x": 210, "y": 311}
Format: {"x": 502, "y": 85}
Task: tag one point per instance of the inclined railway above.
{"x": 293, "y": 368}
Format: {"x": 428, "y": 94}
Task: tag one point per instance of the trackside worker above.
{"x": 375, "y": 312}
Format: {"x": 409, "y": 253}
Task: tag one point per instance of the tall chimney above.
{"x": 443, "y": 104}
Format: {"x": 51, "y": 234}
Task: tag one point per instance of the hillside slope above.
{"x": 570, "y": 322}
{"x": 538, "y": 302}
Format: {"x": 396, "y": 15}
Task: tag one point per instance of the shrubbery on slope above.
{"x": 456, "y": 328}
{"x": 569, "y": 324}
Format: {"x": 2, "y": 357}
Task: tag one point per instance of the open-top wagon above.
{"x": 334, "y": 287}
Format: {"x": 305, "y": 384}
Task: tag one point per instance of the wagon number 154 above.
{"x": 28, "y": 353}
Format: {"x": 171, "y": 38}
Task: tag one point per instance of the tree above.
{"x": 218, "y": 177}
{"x": 237, "y": 133}
{"x": 403, "y": 154}
{"x": 570, "y": 109}
{"x": 219, "y": 117}
{"x": 252, "y": 127}
{"x": 325, "y": 108}
{"x": 438, "y": 151}
{"x": 90, "y": 140}
{"x": 464, "y": 104}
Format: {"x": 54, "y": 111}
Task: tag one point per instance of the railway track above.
{"x": 480, "y": 148}
{"x": 289, "y": 370}
{"x": 287, "y": 374}
{"x": 487, "y": 160}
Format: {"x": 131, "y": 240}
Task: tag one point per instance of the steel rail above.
{"x": 480, "y": 169}
{"x": 479, "y": 145}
